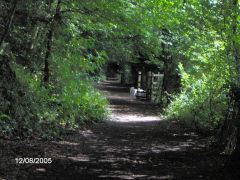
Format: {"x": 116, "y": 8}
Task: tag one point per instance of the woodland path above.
{"x": 134, "y": 144}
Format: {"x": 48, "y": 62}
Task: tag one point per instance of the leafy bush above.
{"x": 18, "y": 108}
{"x": 203, "y": 100}
{"x": 28, "y": 107}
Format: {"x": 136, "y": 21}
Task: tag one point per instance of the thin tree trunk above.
{"x": 165, "y": 73}
{"x": 49, "y": 43}
{"x": 123, "y": 73}
{"x": 9, "y": 23}
{"x": 47, "y": 56}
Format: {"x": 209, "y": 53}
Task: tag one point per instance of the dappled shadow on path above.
{"x": 134, "y": 144}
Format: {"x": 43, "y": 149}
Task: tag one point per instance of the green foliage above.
{"x": 18, "y": 107}
{"x": 35, "y": 109}
{"x": 31, "y": 106}
{"x": 80, "y": 101}
{"x": 203, "y": 101}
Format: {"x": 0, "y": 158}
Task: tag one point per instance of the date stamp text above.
{"x": 27, "y": 160}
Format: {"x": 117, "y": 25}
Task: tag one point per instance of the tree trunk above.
{"x": 9, "y": 23}
{"x": 49, "y": 43}
{"x": 166, "y": 77}
{"x": 47, "y": 56}
{"x": 123, "y": 73}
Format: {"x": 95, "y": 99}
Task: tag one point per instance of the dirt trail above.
{"x": 134, "y": 144}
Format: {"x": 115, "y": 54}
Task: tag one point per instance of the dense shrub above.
{"x": 28, "y": 107}
{"x": 203, "y": 101}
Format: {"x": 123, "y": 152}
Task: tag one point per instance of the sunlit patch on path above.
{"x": 126, "y": 108}
{"x": 135, "y": 118}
